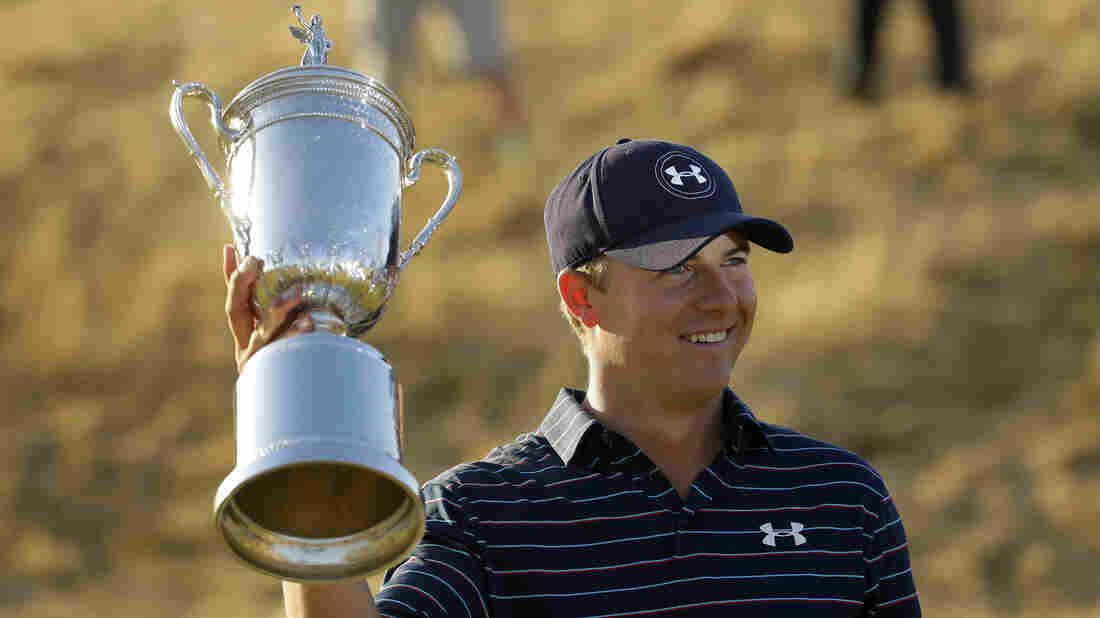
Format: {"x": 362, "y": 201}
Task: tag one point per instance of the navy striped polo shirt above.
{"x": 574, "y": 520}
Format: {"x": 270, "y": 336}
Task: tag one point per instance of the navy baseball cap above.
{"x": 651, "y": 204}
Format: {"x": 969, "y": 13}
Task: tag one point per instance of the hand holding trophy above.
{"x": 316, "y": 159}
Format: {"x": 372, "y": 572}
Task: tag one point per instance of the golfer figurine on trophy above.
{"x": 316, "y": 159}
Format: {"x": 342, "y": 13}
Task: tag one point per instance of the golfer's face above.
{"x": 682, "y": 328}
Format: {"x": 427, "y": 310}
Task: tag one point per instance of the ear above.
{"x": 574, "y": 290}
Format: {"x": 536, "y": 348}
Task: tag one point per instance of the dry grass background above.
{"x": 939, "y": 315}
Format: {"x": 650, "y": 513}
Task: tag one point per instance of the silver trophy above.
{"x": 316, "y": 159}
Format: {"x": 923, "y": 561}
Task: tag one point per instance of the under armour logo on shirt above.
{"x": 676, "y": 177}
{"x": 684, "y": 176}
{"x": 795, "y": 530}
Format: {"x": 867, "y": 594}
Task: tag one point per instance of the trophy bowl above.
{"x": 317, "y": 158}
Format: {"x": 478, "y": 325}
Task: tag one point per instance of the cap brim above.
{"x": 668, "y": 246}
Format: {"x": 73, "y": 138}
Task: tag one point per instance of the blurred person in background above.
{"x": 861, "y": 69}
{"x": 386, "y": 50}
{"x": 656, "y": 489}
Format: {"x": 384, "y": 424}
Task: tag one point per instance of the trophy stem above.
{"x": 326, "y": 321}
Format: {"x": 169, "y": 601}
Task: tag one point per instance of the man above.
{"x": 656, "y": 490}
{"x": 952, "y": 65}
{"x": 386, "y": 51}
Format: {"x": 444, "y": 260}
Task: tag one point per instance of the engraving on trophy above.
{"x": 313, "y": 35}
{"x": 268, "y": 450}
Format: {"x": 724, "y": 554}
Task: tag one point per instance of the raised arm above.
{"x": 330, "y": 600}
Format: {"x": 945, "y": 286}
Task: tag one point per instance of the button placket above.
{"x": 682, "y": 522}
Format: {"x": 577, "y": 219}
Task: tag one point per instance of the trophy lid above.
{"x": 314, "y": 75}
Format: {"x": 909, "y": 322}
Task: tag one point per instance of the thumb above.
{"x": 229, "y": 261}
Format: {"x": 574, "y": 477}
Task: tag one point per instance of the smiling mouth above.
{"x": 708, "y": 337}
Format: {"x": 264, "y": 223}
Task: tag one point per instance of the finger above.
{"x": 229, "y": 261}
{"x": 278, "y": 318}
{"x": 238, "y": 302}
{"x": 287, "y": 328}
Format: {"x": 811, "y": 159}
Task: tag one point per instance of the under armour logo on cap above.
{"x": 795, "y": 531}
{"x": 683, "y": 176}
{"x": 676, "y": 177}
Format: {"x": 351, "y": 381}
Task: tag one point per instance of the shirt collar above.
{"x": 568, "y": 425}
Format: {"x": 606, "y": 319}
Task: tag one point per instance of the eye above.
{"x": 678, "y": 270}
{"x": 737, "y": 260}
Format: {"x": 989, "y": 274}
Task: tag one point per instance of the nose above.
{"x": 717, "y": 292}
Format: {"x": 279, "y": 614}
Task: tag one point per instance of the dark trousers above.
{"x": 950, "y": 44}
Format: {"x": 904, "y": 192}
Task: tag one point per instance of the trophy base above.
{"x": 319, "y": 491}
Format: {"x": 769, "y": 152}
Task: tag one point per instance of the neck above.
{"x": 681, "y": 435}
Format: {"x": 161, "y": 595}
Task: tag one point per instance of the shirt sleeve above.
{"x": 445, "y": 575}
{"x": 891, "y": 590}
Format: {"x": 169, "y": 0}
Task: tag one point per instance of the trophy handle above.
{"x": 195, "y": 89}
{"x": 454, "y": 187}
